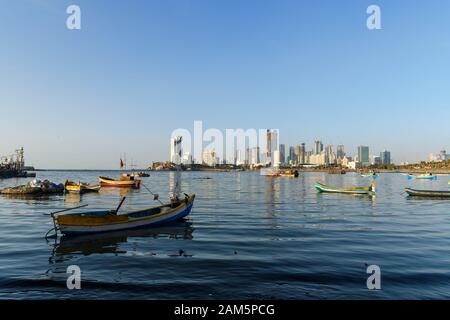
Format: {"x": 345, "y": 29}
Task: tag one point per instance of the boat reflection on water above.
{"x": 72, "y": 197}
{"x": 110, "y": 242}
{"x": 121, "y": 192}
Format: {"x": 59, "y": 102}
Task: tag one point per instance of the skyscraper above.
{"x": 318, "y": 147}
{"x": 330, "y": 156}
{"x": 340, "y": 153}
{"x": 175, "y": 149}
{"x": 282, "y": 154}
{"x": 292, "y": 155}
{"x": 363, "y": 155}
{"x": 272, "y": 144}
{"x": 385, "y": 157}
{"x": 254, "y": 156}
{"x": 302, "y": 154}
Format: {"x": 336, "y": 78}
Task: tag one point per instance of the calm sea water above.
{"x": 248, "y": 236}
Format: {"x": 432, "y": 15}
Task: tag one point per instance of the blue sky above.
{"x": 139, "y": 69}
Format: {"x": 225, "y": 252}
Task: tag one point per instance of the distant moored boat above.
{"x": 427, "y": 176}
{"x": 428, "y": 193}
{"x": 124, "y": 182}
{"x": 80, "y": 187}
{"x": 353, "y": 190}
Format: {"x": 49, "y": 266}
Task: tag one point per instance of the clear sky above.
{"x": 139, "y": 69}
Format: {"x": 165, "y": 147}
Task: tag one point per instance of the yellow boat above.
{"x": 110, "y": 220}
{"x": 80, "y": 187}
{"x": 292, "y": 174}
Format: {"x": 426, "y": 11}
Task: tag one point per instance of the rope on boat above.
{"x": 155, "y": 196}
{"x": 52, "y": 229}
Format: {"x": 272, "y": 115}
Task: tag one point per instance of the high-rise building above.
{"x": 318, "y": 147}
{"x": 330, "y": 156}
{"x": 175, "y": 149}
{"x": 385, "y": 157}
{"x": 376, "y": 160}
{"x": 363, "y": 155}
{"x": 272, "y": 144}
{"x": 340, "y": 153}
{"x": 282, "y": 154}
{"x": 276, "y": 158}
{"x": 187, "y": 158}
{"x": 292, "y": 156}
{"x": 302, "y": 154}
{"x": 308, "y": 155}
{"x": 254, "y": 156}
{"x": 444, "y": 155}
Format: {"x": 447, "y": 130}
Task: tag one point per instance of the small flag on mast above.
{"x": 121, "y": 163}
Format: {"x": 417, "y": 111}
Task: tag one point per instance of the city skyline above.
{"x": 274, "y": 154}
{"x": 137, "y": 71}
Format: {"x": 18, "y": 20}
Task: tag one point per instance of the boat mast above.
{"x": 177, "y": 183}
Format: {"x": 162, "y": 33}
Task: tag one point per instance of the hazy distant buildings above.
{"x": 318, "y": 159}
{"x": 209, "y": 158}
{"x": 376, "y": 160}
{"x": 442, "y": 156}
{"x": 347, "y": 162}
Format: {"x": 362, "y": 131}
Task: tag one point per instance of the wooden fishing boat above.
{"x": 290, "y": 173}
{"x": 353, "y": 190}
{"x": 124, "y": 182}
{"x": 428, "y": 193}
{"x": 80, "y": 187}
{"x": 427, "y": 176}
{"x": 109, "y": 220}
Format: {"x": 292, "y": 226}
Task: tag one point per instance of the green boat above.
{"x": 353, "y": 190}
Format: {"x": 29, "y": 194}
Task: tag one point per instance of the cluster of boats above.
{"x": 371, "y": 190}
{"x": 125, "y": 181}
{"x": 87, "y": 222}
